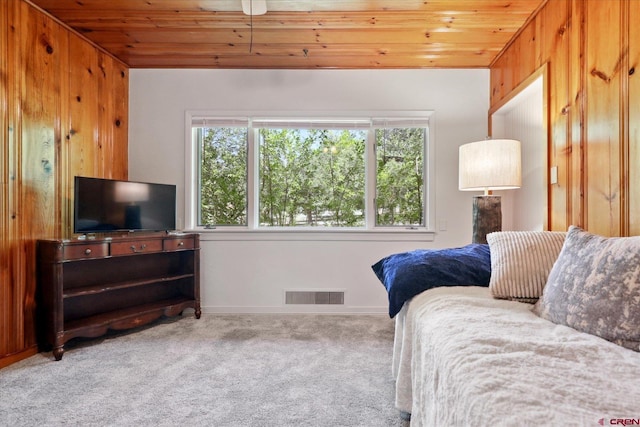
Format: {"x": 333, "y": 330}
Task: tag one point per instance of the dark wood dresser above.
{"x": 86, "y": 287}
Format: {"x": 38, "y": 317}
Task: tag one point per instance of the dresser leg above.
{"x": 58, "y": 352}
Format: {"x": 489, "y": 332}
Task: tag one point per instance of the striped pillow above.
{"x": 521, "y": 262}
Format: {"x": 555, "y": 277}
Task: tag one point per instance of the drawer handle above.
{"x": 87, "y": 251}
{"x": 181, "y": 244}
{"x": 142, "y": 248}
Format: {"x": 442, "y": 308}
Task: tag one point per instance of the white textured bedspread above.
{"x": 463, "y": 358}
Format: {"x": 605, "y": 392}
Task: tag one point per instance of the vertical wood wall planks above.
{"x": 594, "y": 111}
{"x": 48, "y": 92}
{"x": 557, "y": 43}
{"x": 113, "y": 131}
{"x": 604, "y": 56}
{"x": 633, "y": 100}
{"x": 5, "y": 135}
{"x": 575, "y": 65}
{"x": 82, "y": 134}
{"x": 42, "y": 51}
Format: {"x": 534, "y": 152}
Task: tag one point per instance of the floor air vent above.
{"x": 314, "y": 297}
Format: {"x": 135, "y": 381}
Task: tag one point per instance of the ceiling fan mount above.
{"x": 254, "y": 7}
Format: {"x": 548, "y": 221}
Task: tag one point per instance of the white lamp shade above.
{"x": 254, "y": 7}
{"x": 492, "y": 164}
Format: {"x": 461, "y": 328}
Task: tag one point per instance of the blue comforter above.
{"x": 407, "y": 274}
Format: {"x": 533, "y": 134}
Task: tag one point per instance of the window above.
{"x": 286, "y": 173}
{"x": 222, "y": 175}
{"x": 400, "y": 175}
{"x": 311, "y": 177}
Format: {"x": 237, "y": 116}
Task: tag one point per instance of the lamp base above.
{"x": 487, "y": 217}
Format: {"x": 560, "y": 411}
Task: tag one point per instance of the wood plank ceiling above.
{"x": 298, "y": 34}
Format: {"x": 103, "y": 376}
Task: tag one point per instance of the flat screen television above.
{"x": 107, "y": 205}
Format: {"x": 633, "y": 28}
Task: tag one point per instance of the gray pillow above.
{"x": 594, "y": 287}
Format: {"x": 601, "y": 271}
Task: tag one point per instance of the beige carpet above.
{"x": 220, "y": 370}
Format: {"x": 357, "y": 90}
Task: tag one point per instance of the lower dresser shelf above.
{"x": 85, "y": 288}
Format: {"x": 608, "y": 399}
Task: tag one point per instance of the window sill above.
{"x": 388, "y": 235}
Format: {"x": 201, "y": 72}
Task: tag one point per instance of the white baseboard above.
{"x": 297, "y": 309}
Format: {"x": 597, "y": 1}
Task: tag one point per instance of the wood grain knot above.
{"x": 601, "y": 75}
{"x": 46, "y": 166}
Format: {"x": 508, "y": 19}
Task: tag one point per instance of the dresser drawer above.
{"x": 91, "y": 250}
{"x": 176, "y": 243}
{"x": 136, "y": 247}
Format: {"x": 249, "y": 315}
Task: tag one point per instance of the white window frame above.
{"x": 252, "y": 232}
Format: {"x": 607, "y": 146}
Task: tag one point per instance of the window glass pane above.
{"x": 223, "y": 175}
{"x": 312, "y": 177}
{"x": 400, "y": 176}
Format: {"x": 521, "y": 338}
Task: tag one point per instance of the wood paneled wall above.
{"x": 64, "y": 113}
{"x": 592, "y": 49}
{"x": 633, "y": 100}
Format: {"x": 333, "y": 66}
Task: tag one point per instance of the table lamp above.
{"x": 492, "y": 164}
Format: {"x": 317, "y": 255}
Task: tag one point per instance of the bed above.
{"x": 462, "y": 358}
{"x": 483, "y": 356}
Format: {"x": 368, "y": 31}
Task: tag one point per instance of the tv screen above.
{"x": 104, "y": 205}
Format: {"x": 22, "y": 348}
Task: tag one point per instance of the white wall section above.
{"x": 522, "y": 118}
{"x": 250, "y": 275}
